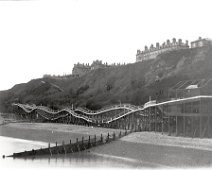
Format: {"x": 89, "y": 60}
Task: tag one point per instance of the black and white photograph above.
{"x": 105, "y": 84}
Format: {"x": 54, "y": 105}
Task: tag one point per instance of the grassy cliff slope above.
{"x": 132, "y": 83}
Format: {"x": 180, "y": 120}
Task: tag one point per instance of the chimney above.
{"x": 164, "y": 44}
{"x": 157, "y": 45}
{"x": 167, "y": 42}
{"x": 174, "y": 40}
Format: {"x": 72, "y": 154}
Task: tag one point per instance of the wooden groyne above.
{"x": 77, "y": 146}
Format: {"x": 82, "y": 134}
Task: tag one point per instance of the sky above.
{"x": 40, "y": 37}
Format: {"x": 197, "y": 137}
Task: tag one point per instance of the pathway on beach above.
{"x": 161, "y": 150}
{"x": 165, "y": 140}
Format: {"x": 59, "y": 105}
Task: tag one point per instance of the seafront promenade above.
{"x": 187, "y": 116}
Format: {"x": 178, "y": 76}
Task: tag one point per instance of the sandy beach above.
{"x": 145, "y": 147}
{"x": 52, "y": 132}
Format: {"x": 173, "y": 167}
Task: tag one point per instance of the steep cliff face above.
{"x": 187, "y": 62}
{"x": 132, "y": 83}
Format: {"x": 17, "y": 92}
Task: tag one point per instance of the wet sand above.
{"x": 143, "y": 147}
{"x": 52, "y": 132}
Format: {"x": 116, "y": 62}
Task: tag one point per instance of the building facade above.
{"x": 97, "y": 64}
{"x": 201, "y": 42}
{"x": 81, "y": 69}
{"x": 153, "y": 52}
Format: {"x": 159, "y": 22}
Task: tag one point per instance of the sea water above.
{"x": 84, "y": 159}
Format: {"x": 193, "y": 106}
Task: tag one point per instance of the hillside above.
{"x": 132, "y": 83}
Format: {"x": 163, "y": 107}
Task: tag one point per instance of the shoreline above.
{"x": 146, "y": 147}
{"x": 52, "y": 132}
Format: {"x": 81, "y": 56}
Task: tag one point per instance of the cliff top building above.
{"x": 81, "y": 69}
{"x": 152, "y": 52}
{"x": 201, "y": 42}
{"x": 97, "y": 64}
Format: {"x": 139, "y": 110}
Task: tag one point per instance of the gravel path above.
{"x": 161, "y": 150}
{"x": 165, "y": 140}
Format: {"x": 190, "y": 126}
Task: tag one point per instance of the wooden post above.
{"x": 95, "y": 140}
{"x": 108, "y": 137}
{"x": 118, "y": 124}
{"x": 64, "y": 147}
{"x": 162, "y": 125}
{"x": 200, "y": 126}
{"x": 184, "y": 128}
{"x": 114, "y": 136}
{"x": 56, "y": 144}
{"x": 101, "y": 138}
{"x": 132, "y": 127}
{"x": 169, "y": 132}
{"x": 83, "y": 147}
{"x": 149, "y": 120}
{"x": 120, "y": 134}
{"x": 82, "y": 140}
{"x": 200, "y": 119}
{"x": 192, "y": 126}
{"x": 76, "y": 140}
{"x": 176, "y": 126}
{"x": 89, "y": 142}
{"x": 34, "y": 152}
{"x": 155, "y": 119}
{"x": 70, "y": 141}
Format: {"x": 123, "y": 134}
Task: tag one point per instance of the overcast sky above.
{"x": 48, "y": 36}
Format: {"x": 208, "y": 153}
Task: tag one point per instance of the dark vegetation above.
{"x": 132, "y": 83}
